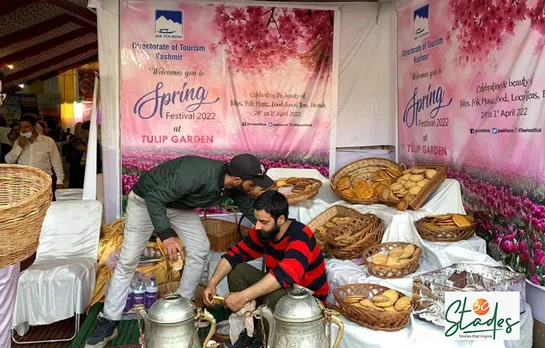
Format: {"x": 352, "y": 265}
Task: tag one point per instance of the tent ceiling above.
{"x": 41, "y": 38}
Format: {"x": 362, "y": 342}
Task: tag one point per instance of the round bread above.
{"x": 348, "y": 193}
{"x": 418, "y": 171}
{"x": 343, "y": 183}
{"x": 406, "y": 177}
{"x": 353, "y": 299}
{"x": 409, "y": 184}
{"x": 392, "y": 261}
{"x": 391, "y": 294}
{"x": 396, "y": 187}
{"x": 367, "y": 303}
{"x": 416, "y": 178}
{"x": 390, "y": 309}
{"x": 396, "y": 252}
{"x": 403, "y": 262}
{"x": 430, "y": 173}
{"x": 379, "y": 259}
{"x": 415, "y": 190}
{"x": 408, "y": 251}
{"x": 403, "y": 304}
{"x": 386, "y": 304}
{"x": 422, "y": 183}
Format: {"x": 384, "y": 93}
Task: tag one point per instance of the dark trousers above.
{"x": 244, "y": 276}
{"x": 54, "y": 185}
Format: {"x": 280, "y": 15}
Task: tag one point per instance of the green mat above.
{"x": 128, "y": 331}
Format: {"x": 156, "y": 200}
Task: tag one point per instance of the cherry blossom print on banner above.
{"x": 216, "y": 80}
{"x": 471, "y": 92}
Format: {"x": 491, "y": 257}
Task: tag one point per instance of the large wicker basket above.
{"x": 370, "y": 318}
{"x": 348, "y": 249}
{"x": 443, "y": 233}
{"x": 365, "y": 168}
{"x": 320, "y": 220}
{"x": 310, "y": 192}
{"x": 25, "y": 196}
{"x": 223, "y": 234}
{"x": 391, "y": 272}
{"x": 418, "y": 201}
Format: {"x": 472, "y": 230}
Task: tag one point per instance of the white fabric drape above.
{"x": 108, "y": 56}
{"x": 90, "y": 181}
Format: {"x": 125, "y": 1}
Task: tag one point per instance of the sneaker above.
{"x": 105, "y": 332}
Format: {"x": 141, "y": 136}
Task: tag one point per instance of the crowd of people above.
{"x": 33, "y": 141}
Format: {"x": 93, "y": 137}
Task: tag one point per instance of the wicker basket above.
{"x": 370, "y": 318}
{"x": 443, "y": 233}
{"x": 223, "y": 234}
{"x": 295, "y": 198}
{"x": 417, "y": 202}
{"x": 391, "y": 272}
{"x": 320, "y": 220}
{"x": 371, "y": 233}
{"x": 25, "y": 196}
{"x": 365, "y": 168}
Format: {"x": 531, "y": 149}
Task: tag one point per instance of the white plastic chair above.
{"x": 61, "y": 282}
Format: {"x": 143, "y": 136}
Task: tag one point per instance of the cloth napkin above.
{"x": 243, "y": 319}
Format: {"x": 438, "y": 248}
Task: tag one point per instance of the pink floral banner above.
{"x": 218, "y": 80}
{"x": 471, "y": 92}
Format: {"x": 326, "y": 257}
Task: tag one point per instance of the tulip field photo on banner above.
{"x": 218, "y": 80}
{"x": 471, "y": 90}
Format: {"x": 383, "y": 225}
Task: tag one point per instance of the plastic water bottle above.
{"x": 139, "y": 293}
{"x": 129, "y": 303}
{"x": 151, "y": 292}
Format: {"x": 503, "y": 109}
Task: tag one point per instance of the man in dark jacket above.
{"x": 164, "y": 200}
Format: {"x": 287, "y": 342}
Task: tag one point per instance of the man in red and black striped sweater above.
{"x": 292, "y": 256}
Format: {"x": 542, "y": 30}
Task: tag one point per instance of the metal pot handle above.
{"x": 336, "y": 319}
{"x": 205, "y": 315}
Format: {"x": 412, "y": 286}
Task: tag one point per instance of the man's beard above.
{"x": 268, "y": 236}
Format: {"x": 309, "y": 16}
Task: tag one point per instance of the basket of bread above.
{"x": 446, "y": 227}
{"x": 392, "y": 260}
{"x": 328, "y": 220}
{"x": 352, "y": 235}
{"x": 296, "y": 190}
{"x": 364, "y": 181}
{"x": 414, "y": 186}
{"x": 373, "y": 306}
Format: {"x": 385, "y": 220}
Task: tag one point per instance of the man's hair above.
{"x": 274, "y": 203}
{"x": 86, "y": 126}
{"x": 28, "y": 118}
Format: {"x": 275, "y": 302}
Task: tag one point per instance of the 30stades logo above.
{"x": 482, "y": 315}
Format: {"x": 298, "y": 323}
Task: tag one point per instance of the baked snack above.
{"x": 379, "y": 259}
{"x": 408, "y": 251}
{"x": 391, "y": 294}
{"x": 403, "y": 304}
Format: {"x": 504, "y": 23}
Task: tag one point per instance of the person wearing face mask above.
{"x": 292, "y": 256}
{"x": 38, "y": 151}
{"x": 164, "y": 199}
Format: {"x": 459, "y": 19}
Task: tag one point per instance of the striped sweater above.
{"x": 294, "y": 259}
